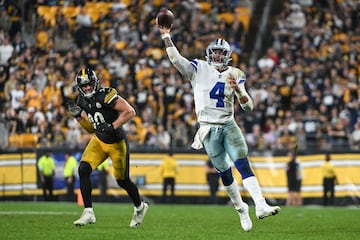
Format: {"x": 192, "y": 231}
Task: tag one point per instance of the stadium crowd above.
{"x": 305, "y": 88}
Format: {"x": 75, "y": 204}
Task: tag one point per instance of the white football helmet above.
{"x": 218, "y": 53}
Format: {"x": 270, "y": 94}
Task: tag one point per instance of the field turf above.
{"x": 54, "y": 221}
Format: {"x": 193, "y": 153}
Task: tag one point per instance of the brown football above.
{"x": 165, "y": 18}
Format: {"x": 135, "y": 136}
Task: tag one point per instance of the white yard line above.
{"x": 35, "y": 213}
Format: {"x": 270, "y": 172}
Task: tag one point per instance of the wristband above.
{"x": 165, "y": 35}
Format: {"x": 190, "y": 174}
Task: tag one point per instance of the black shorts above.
{"x": 294, "y": 186}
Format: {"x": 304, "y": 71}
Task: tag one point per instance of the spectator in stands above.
{"x": 62, "y": 26}
{"x": 17, "y": 96}
{"x": 67, "y": 89}
{"x": 73, "y": 135}
{"x": 44, "y": 135}
{"x": 5, "y": 22}
{"x": 9, "y": 85}
{"x": 255, "y": 139}
{"x": 52, "y": 95}
{"x": 134, "y": 137}
{"x": 355, "y": 137}
{"x": 33, "y": 97}
{"x": 163, "y": 138}
{"x": 270, "y": 135}
{"x": 58, "y": 136}
{"x": 311, "y": 127}
{"x": 40, "y": 78}
{"x": 117, "y": 66}
{"x": 299, "y": 99}
{"x": 287, "y": 139}
{"x": 43, "y": 40}
{"x": 46, "y": 166}
{"x": 15, "y": 121}
{"x": 338, "y": 135}
{"x": 181, "y": 137}
{"x": 329, "y": 181}
{"x": 6, "y": 50}
{"x": 83, "y": 23}
{"x": 4, "y": 132}
{"x": 19, "y": 44}
{"x": 296, "y": 20}
{"x": 141, "y": 95}
{"x": 150, "y": 137}
{"x": 15, "y": 12}
{"x": 34, "y": 119}
{"x": 3, "y": 80}
{"x": 266, "y": 64}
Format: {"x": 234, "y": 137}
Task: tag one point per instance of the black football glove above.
{"x": 105, "y": 128}
{"x": 73, "y": 109}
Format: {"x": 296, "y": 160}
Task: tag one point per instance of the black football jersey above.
{"x": 99, "y": 110}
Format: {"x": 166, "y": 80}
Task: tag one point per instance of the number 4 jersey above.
{"x": 214, "y": 98}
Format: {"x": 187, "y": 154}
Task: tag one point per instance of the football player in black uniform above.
{"x": 106, "y": 112}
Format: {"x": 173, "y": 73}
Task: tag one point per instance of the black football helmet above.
{"x": 85, "y": 78}
{"x": 218, "y": 59}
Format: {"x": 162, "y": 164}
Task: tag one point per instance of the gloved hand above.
{"x": 73, "y": 109}
{"x": 105, "y": 127}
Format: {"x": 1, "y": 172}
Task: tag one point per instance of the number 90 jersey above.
{"x": 213, "y": 95}
{"x": 99, "y": 110}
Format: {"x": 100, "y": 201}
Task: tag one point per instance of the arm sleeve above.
{"x": 87, "y": 125}
{"x": 243, "y": 94}
{"x": 182, "y": 64}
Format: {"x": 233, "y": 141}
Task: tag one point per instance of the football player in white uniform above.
{"x": 215, "y": 85}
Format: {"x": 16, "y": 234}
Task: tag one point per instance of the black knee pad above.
{"x": 227, "y": 177}
{"x": 84, "y": 169}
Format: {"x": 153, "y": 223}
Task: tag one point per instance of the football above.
{"x": 165, "y": 18}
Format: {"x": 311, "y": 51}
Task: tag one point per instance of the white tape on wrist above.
{"x": 165, "y": 35}
{"x": 248, "y": 106}
{"x": 238, "y": 94}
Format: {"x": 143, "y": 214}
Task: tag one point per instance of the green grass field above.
{"x": 53, "y": 221}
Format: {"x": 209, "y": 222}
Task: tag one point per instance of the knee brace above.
{"x": 227, "y": 177}
{"x": 242, "y": 165}
{"x": 84, "y": 169}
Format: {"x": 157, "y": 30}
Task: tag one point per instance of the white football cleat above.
{"x": 245, "y": 219}
{"x": 139, "y": 215}
{"x": 265, "y": 210}
{"x": 87, "y": 217}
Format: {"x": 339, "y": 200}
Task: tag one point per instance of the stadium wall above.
{"x": 19, "y": 177}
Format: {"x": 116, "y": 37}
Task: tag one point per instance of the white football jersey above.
{"x": 213, "y": 96}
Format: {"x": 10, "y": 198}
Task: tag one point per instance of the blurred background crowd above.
{"x": 304, "y": 79}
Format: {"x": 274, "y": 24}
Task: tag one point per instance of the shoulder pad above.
{"x": 110, "y": 95}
